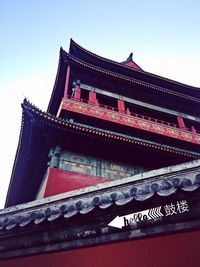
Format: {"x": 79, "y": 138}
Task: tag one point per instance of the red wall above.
{"x": 60, "y": 181}
{"x": 178, "y": 250}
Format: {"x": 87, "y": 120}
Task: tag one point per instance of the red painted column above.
{"x": 121, "y": 105}
{"x": 193, "y": 130}
{"x": 181, "y": 122}
{"x": 128, "y": 111}
{"x": 93, "y": 98}
{"x": 67, "y": 82}
{"x": 77, "y": 93}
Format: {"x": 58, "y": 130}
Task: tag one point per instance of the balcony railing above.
{"x": 132, "y": 119}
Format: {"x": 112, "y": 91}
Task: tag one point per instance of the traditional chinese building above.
{"x": 109, "y": 175}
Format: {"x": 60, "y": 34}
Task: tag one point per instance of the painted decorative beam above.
{"x": 138, "y": 102}
{"x": 129, "y": 120}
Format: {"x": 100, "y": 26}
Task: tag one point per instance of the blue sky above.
{"x": 163, "y": 35}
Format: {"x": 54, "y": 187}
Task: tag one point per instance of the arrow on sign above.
{"x": 155, "y": 213}
{"x": 134, "y": 218}
{"x": 118, "y": 222}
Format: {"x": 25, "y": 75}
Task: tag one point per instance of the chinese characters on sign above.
{"x": 173, "y": 209}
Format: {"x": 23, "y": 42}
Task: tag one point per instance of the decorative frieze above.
{"x": 71, "y": 161}
{"x": 130, "y": 120}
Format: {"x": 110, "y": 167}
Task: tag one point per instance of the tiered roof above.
{"x": 82, "y": 217}
{"x": 42, "y": 130}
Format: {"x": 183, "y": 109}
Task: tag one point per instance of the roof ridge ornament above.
{"x": 130, "y": 57}
{"x": 130, "y": 63}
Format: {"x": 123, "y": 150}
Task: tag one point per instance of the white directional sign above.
{"x": 134, "y": 218}
{"x": 150, "y": 214}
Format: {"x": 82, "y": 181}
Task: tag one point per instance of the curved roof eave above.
{"x": 58, "y": 88}
{"x": 74, "y": 47}
{"x": 18, "y": 191}
{"x": 132, "y": 80}
{"x": 15, "y": 162}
